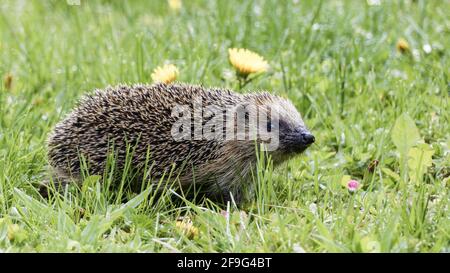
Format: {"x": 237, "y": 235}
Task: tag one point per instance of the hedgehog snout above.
{"x": 299, "y": 139}
{"x": 303, "y": 136}
{"x": 307, "y": 138}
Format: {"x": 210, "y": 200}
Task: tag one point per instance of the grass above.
{"x": 336, "y": 60}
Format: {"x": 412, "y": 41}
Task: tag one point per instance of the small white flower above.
{"x": 427, "y": 48}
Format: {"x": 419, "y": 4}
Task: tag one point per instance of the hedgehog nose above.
{"x": 308, "y": 138}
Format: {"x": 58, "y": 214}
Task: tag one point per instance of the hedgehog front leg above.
{"x": 234, "y": 197}
{"x": 224, "y": 194}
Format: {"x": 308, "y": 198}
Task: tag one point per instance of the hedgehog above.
{"x": 209, "y": 137}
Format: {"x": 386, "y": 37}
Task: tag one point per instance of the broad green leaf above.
{"x": 3, "y": 228}
{"x": 34, "y": 205}
{"x": 94, "y": 229}
{"x": 392, "y": 174}
{"x": 405, "y": 134}
{"x": 100, "y": 224}
{"x": 65, "y": 224}
{"x": 419, "y": 159}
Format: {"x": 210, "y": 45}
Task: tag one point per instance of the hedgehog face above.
{"x": 294, "y": 136}
{"x": 285, "y": 122}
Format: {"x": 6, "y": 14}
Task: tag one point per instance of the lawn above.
{"x": 371, "y": 80}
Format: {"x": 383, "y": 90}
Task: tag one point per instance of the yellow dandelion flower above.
{"x": 174, "y": 4}
{"x": 246, "y": 61}
{"x": 187, "y": 227}
{"x": 166, "y": 74}
{"x": 402, "y": 46}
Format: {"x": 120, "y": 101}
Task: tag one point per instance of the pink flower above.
{"x": 352, "y": 185}
{"x": 224, "y": 213}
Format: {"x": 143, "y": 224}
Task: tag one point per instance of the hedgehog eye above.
{"x": 269, "y": 126}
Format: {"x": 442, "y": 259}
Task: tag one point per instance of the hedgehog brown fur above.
{"x": 141, "y": 116}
